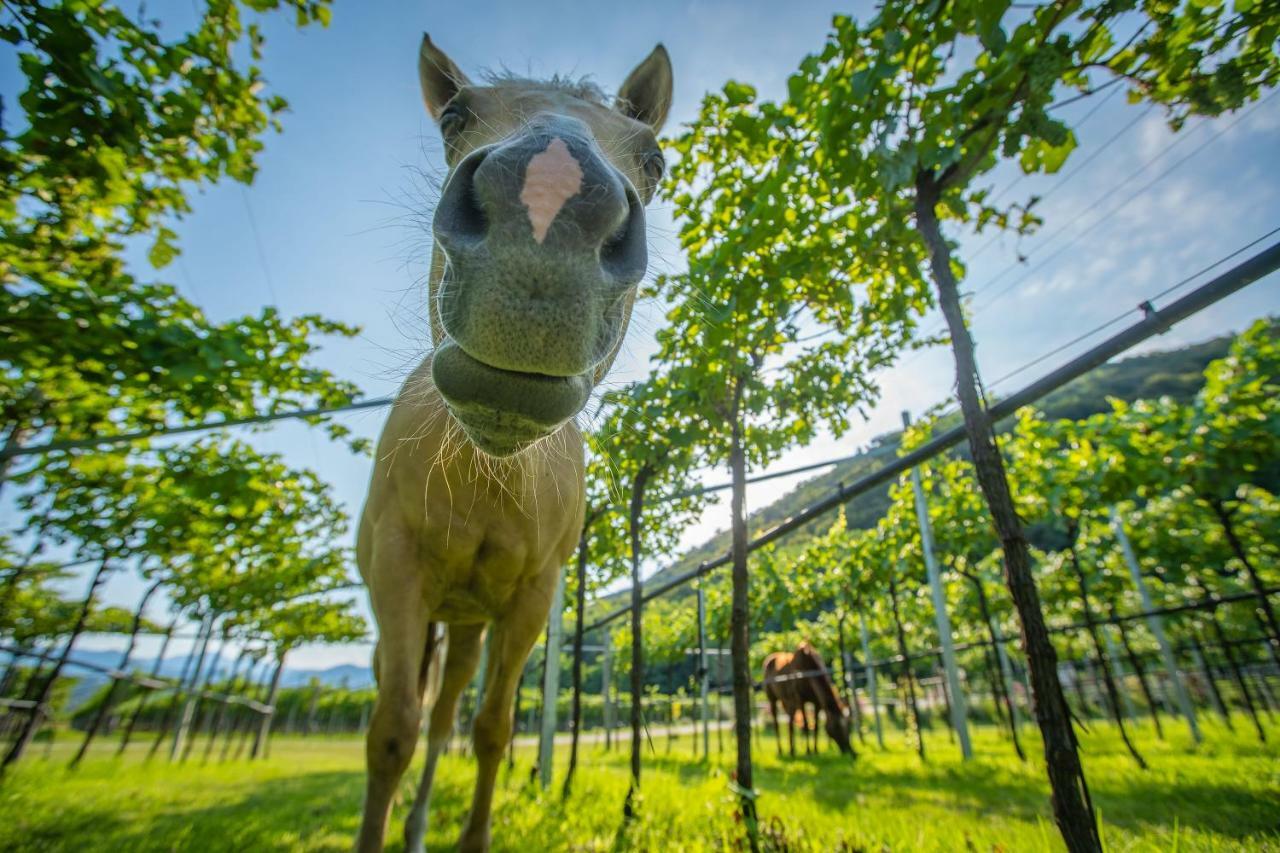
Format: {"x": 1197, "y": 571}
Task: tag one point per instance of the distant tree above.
{"x": 116, "y": 123}
{"x": 889, "y": 592}
{"x": 227, "y": 528}
{"x": 901, "y": 117}
{"x": 1215, "y": 447}
{"x": 775, "y": 327}
{"x": 964, "y": 542}
{"x": 39, "y": 613}
{"x": 642, "y": 447}
{"x": 1062, "y": 473}
{"x": 296, "y": 623}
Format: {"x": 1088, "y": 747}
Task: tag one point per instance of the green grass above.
{"x": 1225, "y": 795}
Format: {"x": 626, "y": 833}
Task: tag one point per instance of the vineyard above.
{"x": 1041, "y": 613}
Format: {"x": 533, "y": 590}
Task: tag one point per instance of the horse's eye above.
{"x": 655, "y": 166}
{"x": 452, "y": 119}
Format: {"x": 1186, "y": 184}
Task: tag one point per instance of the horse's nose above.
{"x": 550, "y": 191}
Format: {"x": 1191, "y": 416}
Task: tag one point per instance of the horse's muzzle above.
{"x": 544, "y": 244}
{"x": 543, "y": 239}
{"x": 503, "y": 411}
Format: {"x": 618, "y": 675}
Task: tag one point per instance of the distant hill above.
{"x": 1177, "y": 373}
{"x": 87, "y": 682}
{"x": 345, "y": 675}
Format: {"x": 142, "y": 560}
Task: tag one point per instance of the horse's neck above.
{"x": 827, "y": 694}
{"x": 425, "y": 454}
{"x": 823, "y": 687}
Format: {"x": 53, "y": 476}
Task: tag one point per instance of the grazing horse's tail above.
{"x": 770, "y": 670}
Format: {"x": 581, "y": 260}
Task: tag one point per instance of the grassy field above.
{"x": 1225, "y": 795}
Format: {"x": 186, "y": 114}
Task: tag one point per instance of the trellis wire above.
{"x": 1154, "y": 322}
{"x": 145, "y": 682}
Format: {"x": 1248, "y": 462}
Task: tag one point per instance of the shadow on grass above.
{"x": 1128, "y": 798}
{"x": 318, "y": 811}
{"x": 1223, "y": 808}
{"x": 314, "y": 810}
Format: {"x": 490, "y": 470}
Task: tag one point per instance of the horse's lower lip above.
{"x": 492, "y": 399}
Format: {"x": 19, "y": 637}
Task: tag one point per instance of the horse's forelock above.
{"x": 578, "y": 87}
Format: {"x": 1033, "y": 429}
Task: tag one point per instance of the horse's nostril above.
{"x": 624, "y": 254}
{"x": 459, "y": 217}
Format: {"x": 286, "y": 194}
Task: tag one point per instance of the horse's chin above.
{"x": 503, "y": 412}
{"x": 498, "y": 434}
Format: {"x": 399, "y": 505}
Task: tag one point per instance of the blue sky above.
{"x": 337, "y": 222}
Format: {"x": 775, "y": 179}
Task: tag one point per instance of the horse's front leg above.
{"x": 460, "y": 662}
{"x": 777, "y": 732}
{"x": 395, "y": 592}
{"x": 513, "y": 637}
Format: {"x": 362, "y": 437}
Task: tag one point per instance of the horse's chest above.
{"x": 474, "y": 573}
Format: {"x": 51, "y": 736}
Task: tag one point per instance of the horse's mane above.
{"x": 578, "y": 87}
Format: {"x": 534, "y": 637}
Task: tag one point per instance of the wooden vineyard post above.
{"x": 704, "y": 675}
{"x": 606, "y": 689}
{"x": 959, "y": 715}
{"x": 1112, "y": 652}
{"x": 872, "y": 692}
{"x": 1156, "y": 625}
{"x": 551, "y": 686}
{"x": 1007, "y": 671}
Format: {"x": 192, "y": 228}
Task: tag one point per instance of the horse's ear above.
{"x": 440, "y": 78}
{"x": 646, "y": 94}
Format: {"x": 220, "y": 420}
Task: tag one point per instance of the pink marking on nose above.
{"x": 551, "y": 178}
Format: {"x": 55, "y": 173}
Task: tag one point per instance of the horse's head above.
{"x": 837, "y": 726}
{"x": 539, "y": 240}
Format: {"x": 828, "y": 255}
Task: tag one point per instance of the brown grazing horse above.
{"x": 797, "y": 680}
{"x": 476, "y": 499}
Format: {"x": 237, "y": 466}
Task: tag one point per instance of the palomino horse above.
{"x": 476, "y": 500}
{"x": 797, "y": 680}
